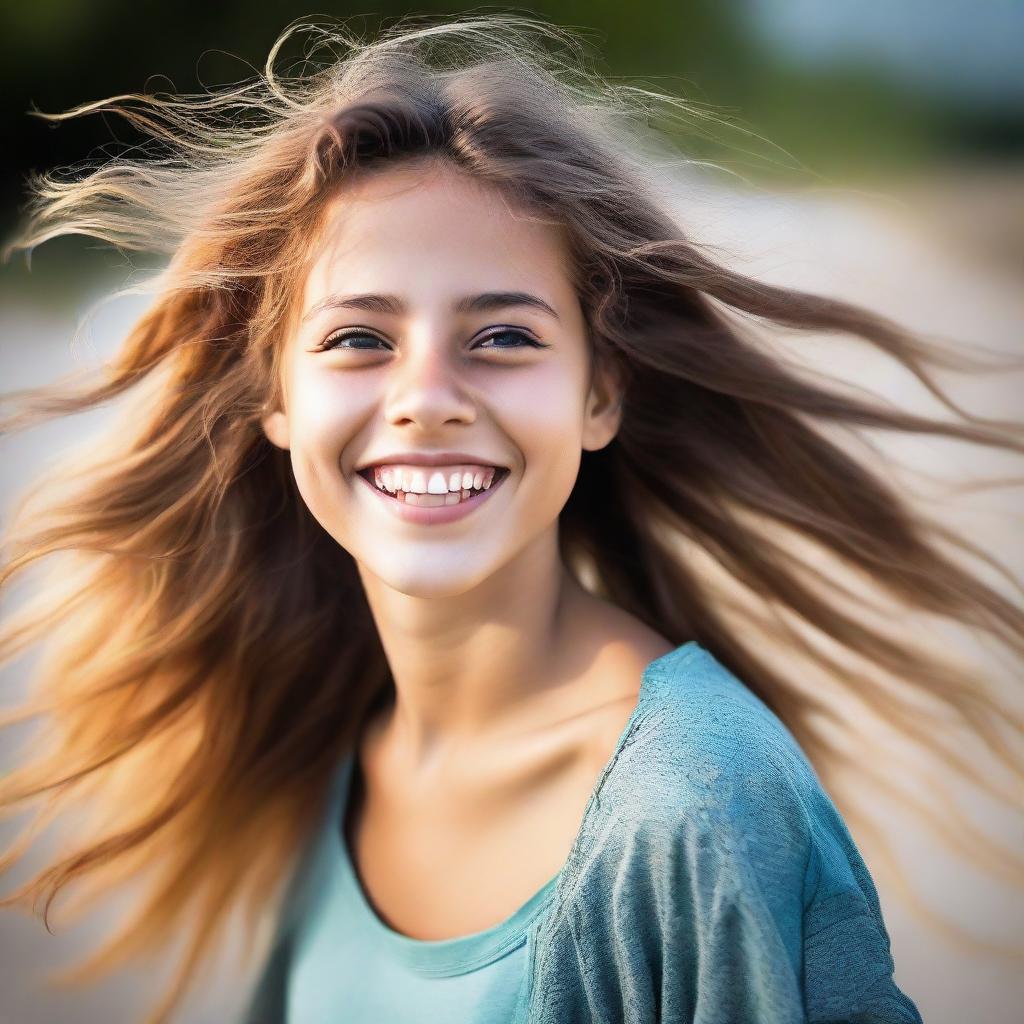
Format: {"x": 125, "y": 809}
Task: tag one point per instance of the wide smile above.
{"x": 427, "y": 515}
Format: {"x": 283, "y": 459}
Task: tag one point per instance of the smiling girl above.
{"x": 387, "y": 609}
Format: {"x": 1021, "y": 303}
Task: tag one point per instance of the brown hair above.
{"x": 198, "y": 687}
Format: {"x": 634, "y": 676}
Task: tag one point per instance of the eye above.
{"x": 508, "y": 333}
{"x": 334, "y": 341}
{"x": 337, "y": 340}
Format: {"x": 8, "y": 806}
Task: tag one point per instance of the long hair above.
{"x": 209, "y": 651}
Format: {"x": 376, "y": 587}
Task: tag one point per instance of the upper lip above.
{"x": 428, "y": 459}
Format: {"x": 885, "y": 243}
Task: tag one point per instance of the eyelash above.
{"x": 330, "y": 342}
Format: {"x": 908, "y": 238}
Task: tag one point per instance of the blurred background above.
{"x": 869, "y": 149}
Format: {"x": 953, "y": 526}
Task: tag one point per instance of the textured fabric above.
{"x": 347, "y": 964}
{"x": 712, "y": 881}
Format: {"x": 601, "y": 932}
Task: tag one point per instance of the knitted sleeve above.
{"x": 847, "y": 963}
{"x": 717, "y": 882}
{"x": 794, "y": 903}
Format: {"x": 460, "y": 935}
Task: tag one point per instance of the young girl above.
{"x": 391, "y": 609}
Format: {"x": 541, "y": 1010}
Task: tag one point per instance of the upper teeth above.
{"x": 433, "y": 480}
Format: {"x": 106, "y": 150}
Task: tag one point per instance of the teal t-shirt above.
{"x": 348, "y": 965}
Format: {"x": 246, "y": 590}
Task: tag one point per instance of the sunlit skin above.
{"x": 486, "y": 634}
{"x": 512, "y": 683}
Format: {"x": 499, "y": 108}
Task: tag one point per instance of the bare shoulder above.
{"x": 625, "y": 648}
{"x": 618, "y": 672}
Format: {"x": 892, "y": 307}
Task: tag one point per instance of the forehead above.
{"x": 422, "y": 227}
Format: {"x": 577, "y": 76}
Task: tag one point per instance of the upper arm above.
{"x": 848, "y": 964}
{"x": 790, "y": 921}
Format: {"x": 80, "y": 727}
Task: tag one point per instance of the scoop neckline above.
{"x": 464, "y": 953}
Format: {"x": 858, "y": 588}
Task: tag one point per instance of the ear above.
{"x": 603, "y": 414}
{"x": 275, "y": 426}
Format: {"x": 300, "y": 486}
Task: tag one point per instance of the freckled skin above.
{"x": 512, "y": 682}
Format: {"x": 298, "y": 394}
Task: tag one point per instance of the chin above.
{"x": 432, "y": 578}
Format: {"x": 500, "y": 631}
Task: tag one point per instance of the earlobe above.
{"x": 275, "y": 426}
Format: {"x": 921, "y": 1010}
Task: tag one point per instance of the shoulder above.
{"x": 709, "y": 774}
{"x": 728, "y": 863}
{"x": 702, "y": 738}
{"x": 710, "y": 769}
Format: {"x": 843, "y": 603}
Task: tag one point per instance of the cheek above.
{"x": 322, "y": 419}
{"x": 544, "y": 418}
{"x": 324, "y": 410}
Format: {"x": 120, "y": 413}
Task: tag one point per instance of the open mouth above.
{"x": 428, "y": 499}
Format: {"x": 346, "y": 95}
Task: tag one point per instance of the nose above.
{"x": 427, "y": 389}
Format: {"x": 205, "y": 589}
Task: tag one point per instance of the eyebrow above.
{"x": 484, "y": 302}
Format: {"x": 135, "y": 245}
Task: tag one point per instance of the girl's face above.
{"x": 418, "y": 368}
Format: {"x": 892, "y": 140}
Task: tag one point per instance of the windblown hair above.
{"x": 210, "y": 653}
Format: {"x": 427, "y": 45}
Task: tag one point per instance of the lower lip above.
{"x": 426, "y": 515}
